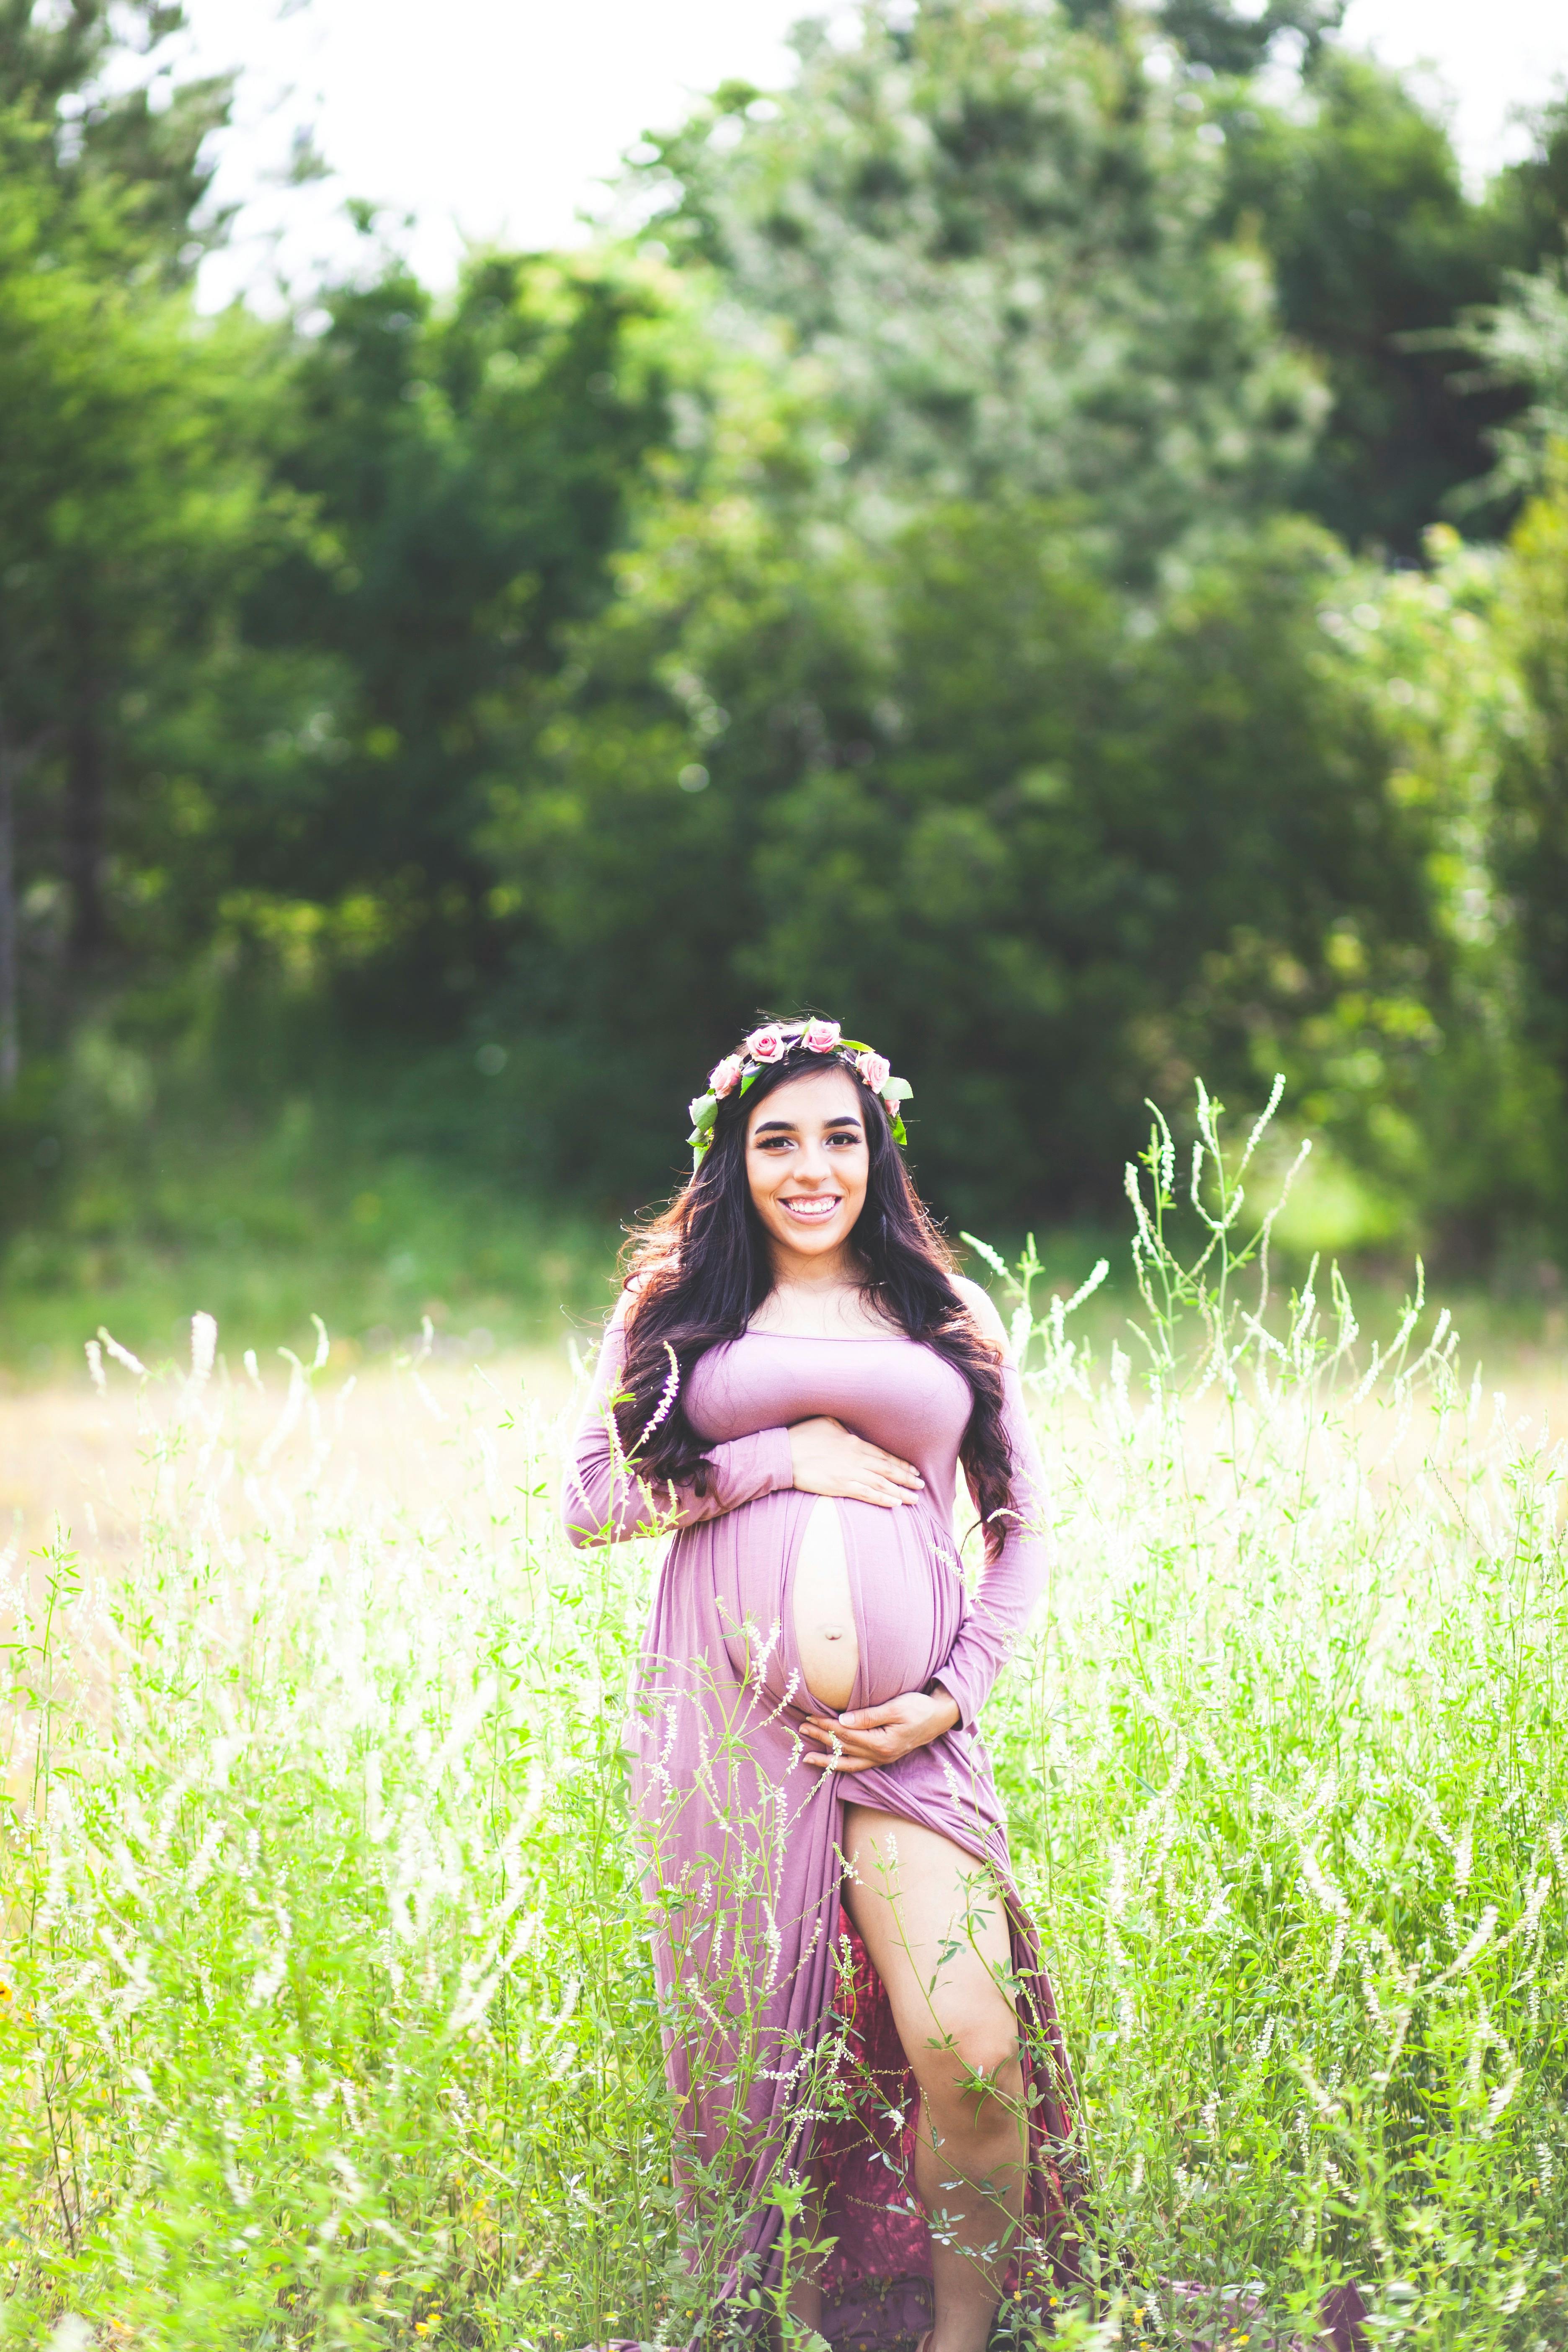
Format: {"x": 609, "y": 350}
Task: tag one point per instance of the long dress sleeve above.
{"x": 1010, "y": 1584}
{"x": 603, "y": 1501}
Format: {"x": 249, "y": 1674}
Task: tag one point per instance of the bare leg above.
{"x": 933, "y": 1922}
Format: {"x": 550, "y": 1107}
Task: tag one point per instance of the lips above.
{"x": 815, "y": 1211}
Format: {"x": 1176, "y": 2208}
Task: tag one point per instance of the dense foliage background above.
{"x": 1050, "y": 542}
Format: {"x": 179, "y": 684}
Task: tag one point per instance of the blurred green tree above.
{"x": 111, "y": 400}
{"x": 1529, "y": 196}
{"x": 120, "y": 498}
{"x": 1221, "y": 38}
{"x": 1356, "y": 194}
{"x": 1462, "y": 661}
{"x": 138, "y": 131}
{"x": 1043, "y": 837}
{"x": 467, "y": 468}
{"x": 1522, "y": 345}
{"x": 879, "y": 585}
{"x": 996, "y": 240}
{"x": 1089, "y": 805}
{"x": 1532, "y": 855}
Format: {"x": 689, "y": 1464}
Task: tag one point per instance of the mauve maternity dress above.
{"x": 779, "y": 2037}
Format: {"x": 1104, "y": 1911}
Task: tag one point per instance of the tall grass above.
{"x": 328, "y": 2015}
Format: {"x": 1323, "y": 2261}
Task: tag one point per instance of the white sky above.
{"x": 501, "y": 119}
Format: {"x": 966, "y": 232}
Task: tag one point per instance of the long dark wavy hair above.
{"x": 697, "y": 1274}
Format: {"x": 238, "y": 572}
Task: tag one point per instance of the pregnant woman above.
{"x": 873, "y": 2101}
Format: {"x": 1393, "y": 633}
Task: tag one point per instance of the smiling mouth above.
{"x": 815, "y": 1211}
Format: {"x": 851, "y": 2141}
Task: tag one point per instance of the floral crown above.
{"x": 765, "y": 1046}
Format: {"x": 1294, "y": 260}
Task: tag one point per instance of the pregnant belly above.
{"x": 826, "y": 1637}
{"x": 845, "y": 1605}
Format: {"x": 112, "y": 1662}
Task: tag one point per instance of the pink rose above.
{"x": 725, "y": 1076}
{"x": 766, "y": 1045}
{"x": 890, "y": 1104}
{"x": 819, "y": 1037}
{"x": 875, "y": 1068}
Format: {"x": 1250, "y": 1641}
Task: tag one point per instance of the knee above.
{"x": 977, "y": 2064}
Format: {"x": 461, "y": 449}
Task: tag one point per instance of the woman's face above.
{"x": 807, "y": 1162}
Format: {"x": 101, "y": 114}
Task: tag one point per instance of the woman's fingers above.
{"x": 853, "y": 1489}
{"x": 863, "y": 1738}
{"x": 862, "y": 1488}
{"x": 887, "y": 1484}
{"x": 858, "y": 1486}
{"x": 892, "y": 1465}
{"x": 849, "y": 1750}
{"x": 865, "y": 1719}
{"x": 852, "y": 1752}
{"x": 828, "y": 1459}
{"x": 832, "y": 1733}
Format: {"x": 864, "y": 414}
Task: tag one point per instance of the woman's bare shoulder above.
{"x": 982, "y": 1306}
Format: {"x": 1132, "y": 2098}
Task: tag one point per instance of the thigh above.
{"x": 935, "y": 1926}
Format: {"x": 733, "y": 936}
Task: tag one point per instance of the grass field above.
{"x": 266, "y": 1216}
{"x": 326, "y": 2015}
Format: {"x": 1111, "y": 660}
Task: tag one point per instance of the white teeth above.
{"x": 817, "y": 1209}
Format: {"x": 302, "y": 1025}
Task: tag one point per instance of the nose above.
{"x": 813, "y": 1168}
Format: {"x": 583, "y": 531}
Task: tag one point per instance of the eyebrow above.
{"x": 786, "y": 1125}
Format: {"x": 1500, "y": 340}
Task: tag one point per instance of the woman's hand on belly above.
{"x": 881, "y": 1735}
{"x": 828, "y": 1459}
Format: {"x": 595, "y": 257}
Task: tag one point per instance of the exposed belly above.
{"x": 839, "y": 1604}
{"x": 827, "y": 1641}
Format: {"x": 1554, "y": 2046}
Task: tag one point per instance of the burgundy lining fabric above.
{"x": 877, "y": 2281}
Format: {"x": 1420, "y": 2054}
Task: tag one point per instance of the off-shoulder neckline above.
{"x": 825, "y": 1338}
